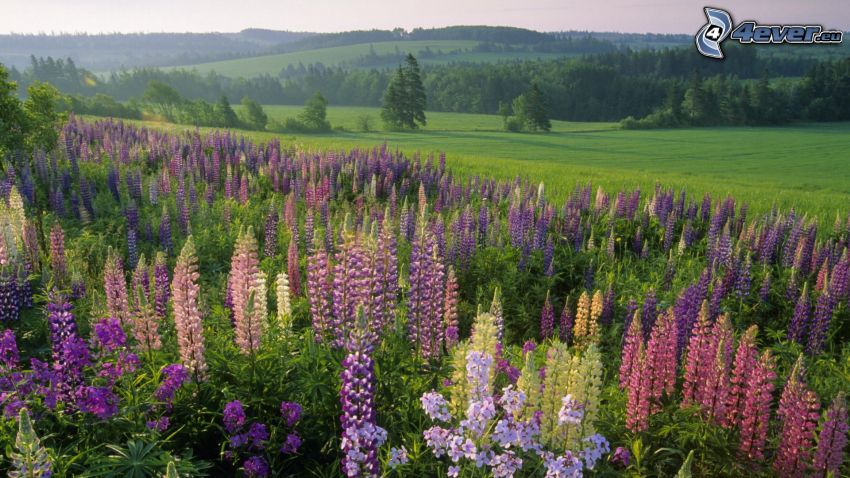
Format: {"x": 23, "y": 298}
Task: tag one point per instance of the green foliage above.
{"x": 13, "y": 125}
{"x": 253, "y": 116}
{"x": 140, "y": 459}
{"x": 43, "y": 119}
{"x": 314, "y": 116}
{"x": 162, "y": 98}
{"x": 225, "y": 113}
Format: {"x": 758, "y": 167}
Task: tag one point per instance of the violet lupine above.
{"x": 798, "y": 414}
{"x": 185, "y": 296}
{"x": 270, "y": 243}
{"x": 820, "y": 323}
{"x": 754, "y": 416}
{"x": 292, "y": 269}
{"x": 832, "y": 439}
{"x": 385, "y": 291}
{"x": 57, "y": 252}
{"x": 165, "y": 232}
{"x": 764, "y": 290}
{"x": 115, "y": 288}
{"x": 160, "y": 286}
{"x": 245, "y": 287}
{"x": 450, "y": 313}
{"x": 361, "y": 436}
{"x": 566, "y": 323}
{"x": 425, "y": 321}
{"x": 61, "y": 323}
{"x": 547, "y": 319}
{"x": 800, "y": 321}
{"x": 9, "y": 299}
{"x": 319, "y": 291}
{"x": 352, "y": 287}
{"x": 648, "y": 313}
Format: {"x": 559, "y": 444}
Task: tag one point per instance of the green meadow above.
{"x": 806, "y": 166}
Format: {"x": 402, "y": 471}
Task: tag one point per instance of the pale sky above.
{"x": 660, "y": 16}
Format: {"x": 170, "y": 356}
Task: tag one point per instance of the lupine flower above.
{"x": 319, "y": 291}
{"x": 8, "y": 351}
{"x": 631, "y": 346}
{"x": 661, "y": 359}
{"x": 497, "y": 312}
{"x": 57, "y": 252}
{"x": 566, "y": 323}
{"x": 746, "y": 359}
{"x": 754, "y": 416}
{"x": 234, "y": 416}
{"x": 185, "y": 293}
{"x": 161, "y": 282}
{"x": 99, "y": 401}
{"x": 175, "y": 376}
{"x": 832, "y": 439}
{"x": 398, "y": 457}
{"x": 255, "y": 466}
{"x": 291, "y": 413}
{"x": 621, "y": 457}
{"x": 244, "y": 283}
{"x": 820, "y": 323}
{"x": 450, "y": 314}
{"x": 586, "y": 328}
{"x": 547, "y": 319}
{"x": 292, "y": 269}
{"x": 61, "y": 323}
{"x": 425, "y": 315}
{"x": 31, "y": 459}
{"x": 115, "y": 288}
{"x": 798, "y": 413}
{"x": 800, "y": 321}
{"x": 361, "y": 436}
{"x": 284, "y": 306}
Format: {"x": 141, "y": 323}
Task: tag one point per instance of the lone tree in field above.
{"x": 314, "y": 116}
{"x": 225, "y": 113}
{"x": 536, "y": 110}
{"x": 254, "y": 117}
{"x": 404, "y": 100}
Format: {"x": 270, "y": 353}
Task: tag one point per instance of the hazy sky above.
{"x": 666, "y": 16}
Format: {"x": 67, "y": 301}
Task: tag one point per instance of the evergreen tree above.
{"x": 225, "y": 113}
{"x": 404, "y": 98}
{"x": 536, "y": 110}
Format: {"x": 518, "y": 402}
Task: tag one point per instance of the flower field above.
{"x": 197, "y": 304}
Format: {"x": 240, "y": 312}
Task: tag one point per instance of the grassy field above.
{"x": 452, "y": 51}
{"x": 804, "y": 166}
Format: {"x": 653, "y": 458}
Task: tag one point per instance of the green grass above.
{"x": 445, "y": 51}
{"x": 802, "y": 166}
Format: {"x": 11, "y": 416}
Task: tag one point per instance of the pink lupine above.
{"x": 185, "y": 295}
{"x": 115, "y": 288}
{"x": 292, "y": 269}
{"x": 714, "y": 393}
{"x": 145, "y": 321}
{"x": 694, "y": 365}
{"x": 352, "y": 283}
{"x": 661, "y": 360}
{"x": 632, "y": 344}
{"x": 638, "y": 403}
{"x": 319, "y": 291}
{"x": 746, "y": 359}
{"x": 244, "y": 285}
{"x": 57, "y": 252}
{"x": 754, "y": 416}
{"x": 832, "y": 439}
{"x": 798, "y": 413}
{"x": 450, "y": 314}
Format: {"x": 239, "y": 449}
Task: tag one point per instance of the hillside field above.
{"x": 444, "y": 51}
{"x": 803, "y": 166}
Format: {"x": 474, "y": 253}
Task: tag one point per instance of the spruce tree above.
{"x": 404, "y": 98}
{"x": 536, "y": 110}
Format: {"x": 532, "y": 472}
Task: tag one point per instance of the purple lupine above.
{"x": 547, "y": 319}
{"x": 764, "y": 290}
{"x": 132, "y": 248}
{"x": 649, "y": 313}
{"x": 352, "y": 283}
{"x": 385, "y": 291}
{"x": 161, "y": 286}
{"x": 57, "y": 252}
{"x": 176, "y": 376}
{"x": 743, "y": 281}
{"x": 450, "y": 314}
{"x": 319, "y": 291}
{"x": 424, "y": 312}
{"x": 9, "y": 299}
{"x": 800, "y": 321}
{"x": 61, "y": 323}
{"x": 832, "y": 439}
{"x": 820, "y": 324}
{"x": 361, "y": 436}
{"x": 165, "y": 232}
{"x": 270, "y": 243}
{"x": 566, "y": 322}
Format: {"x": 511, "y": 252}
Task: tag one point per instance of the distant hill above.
{"x": 109, "y": 52}
{"x": 113, "y": 51}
